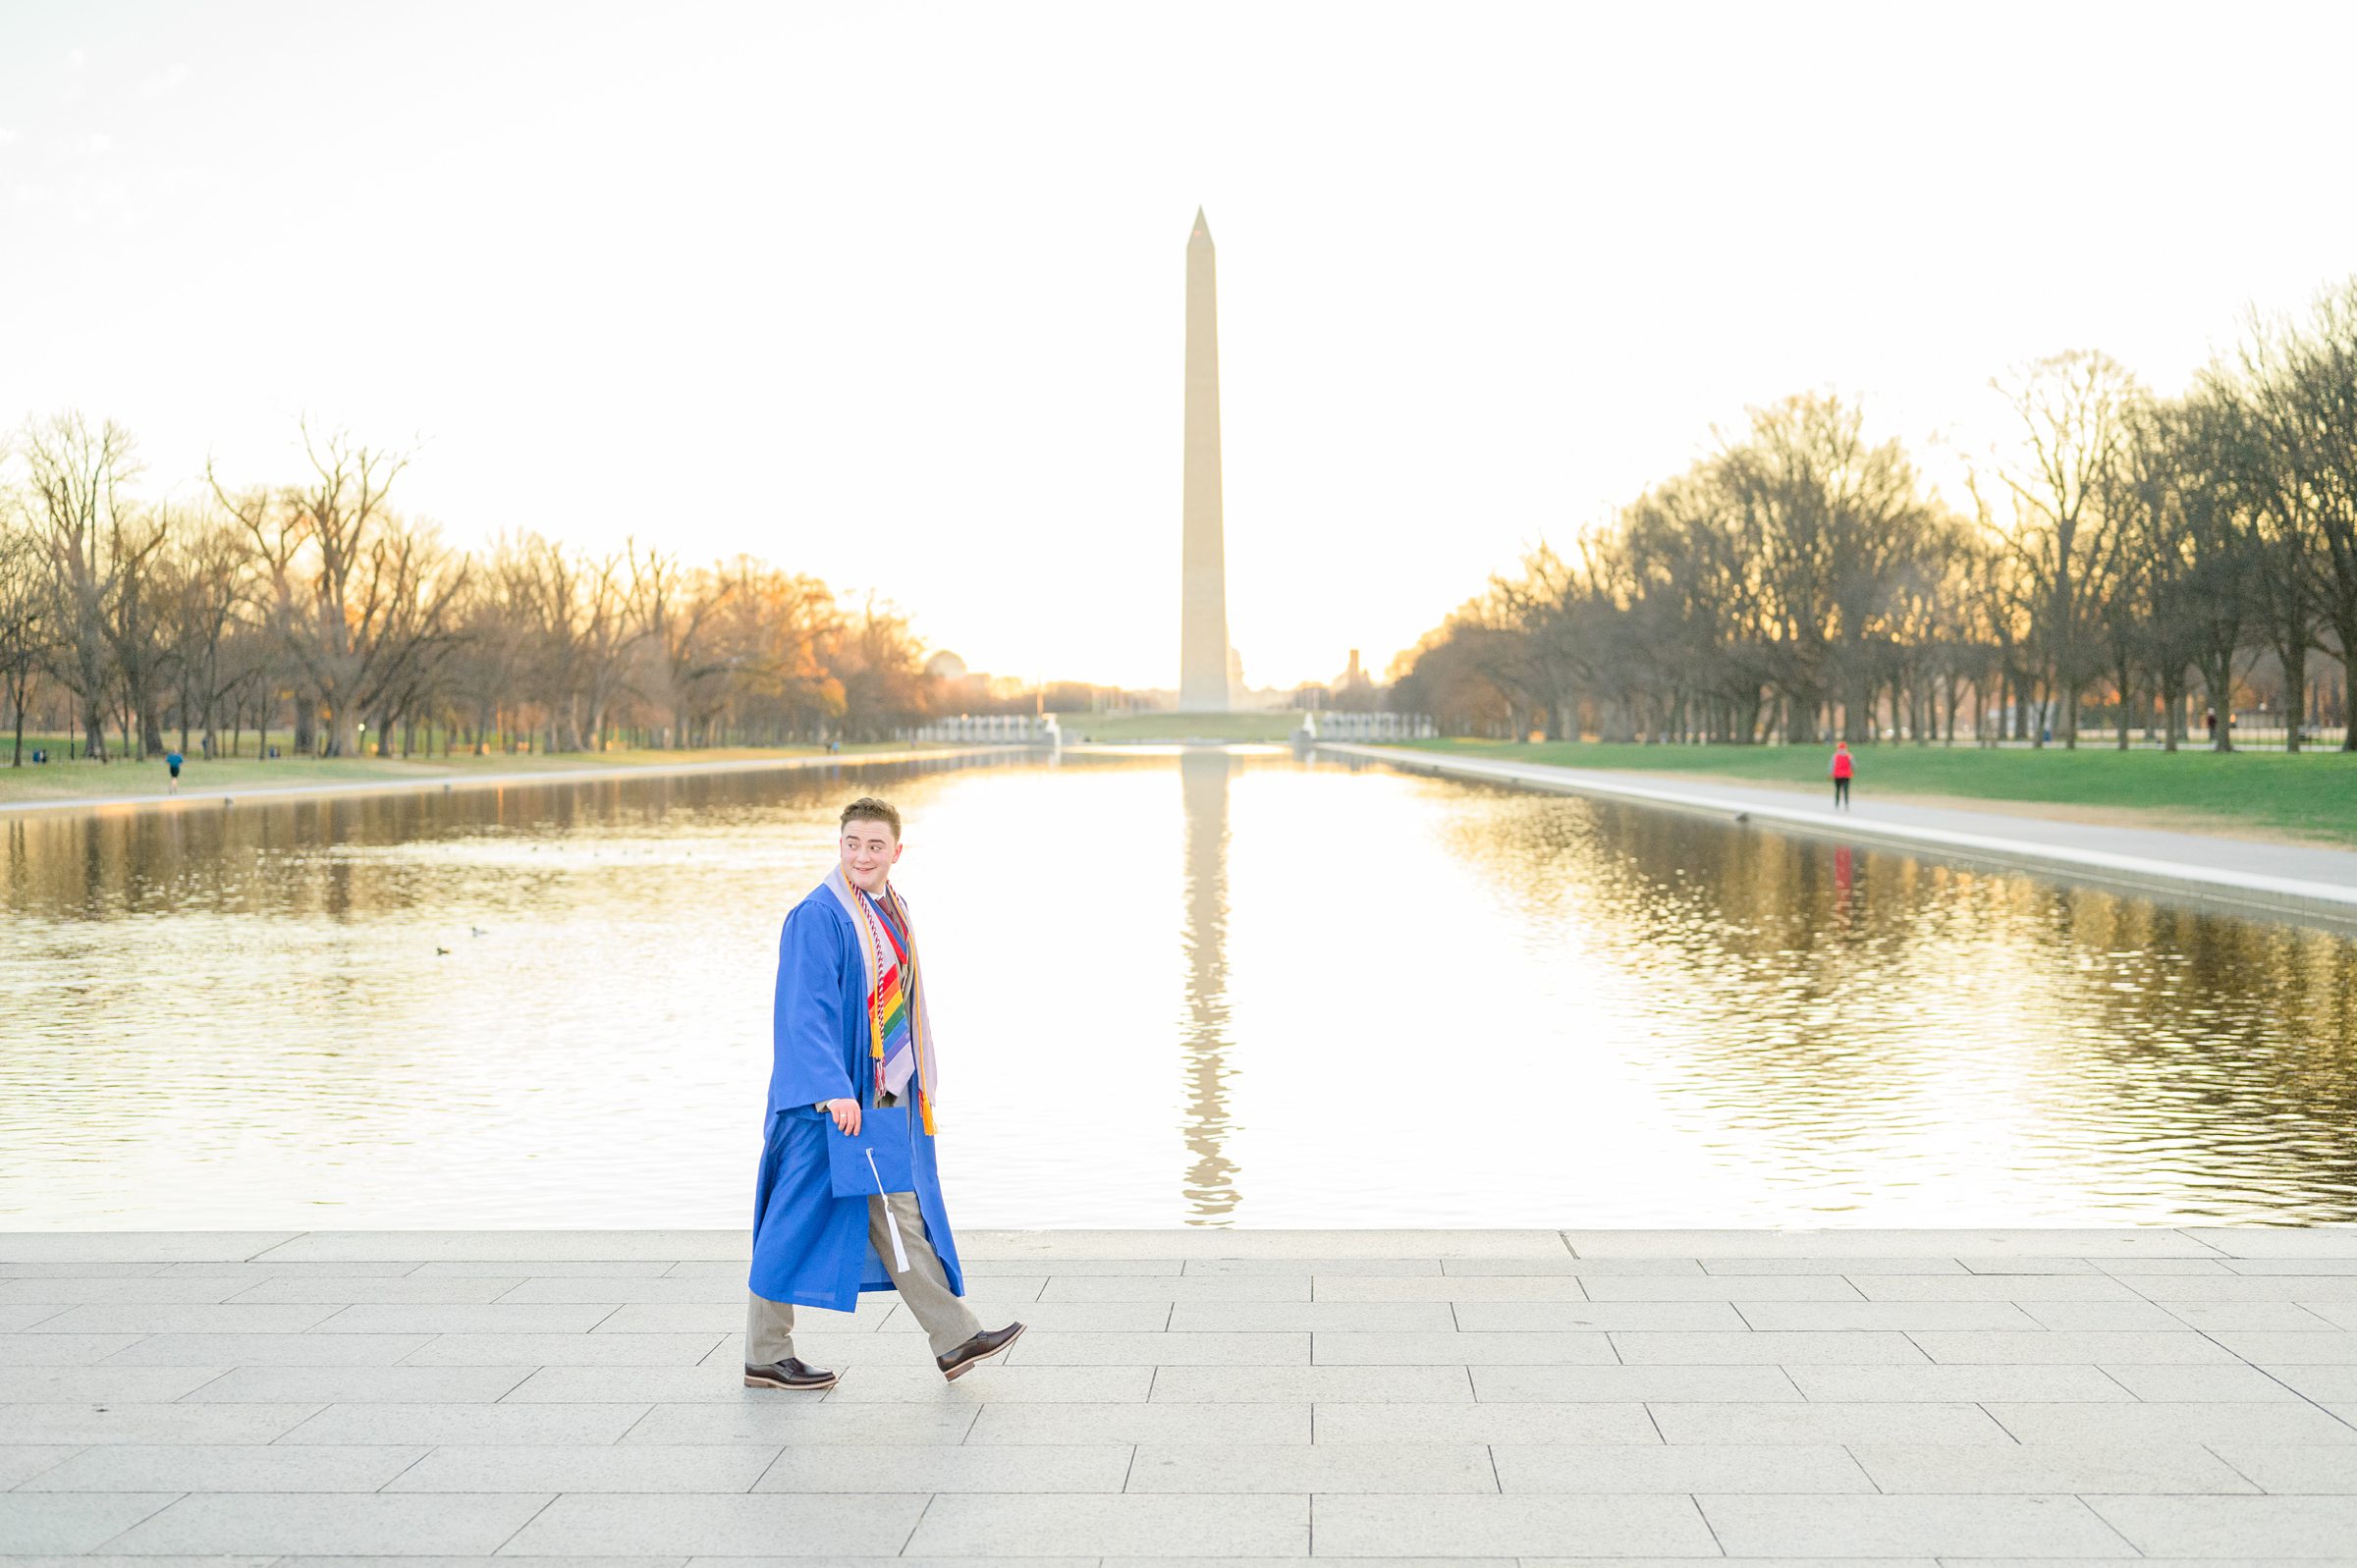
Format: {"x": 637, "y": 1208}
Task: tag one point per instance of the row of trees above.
{"x": 318, "y": 609}
{"x": 2124, "y": 554}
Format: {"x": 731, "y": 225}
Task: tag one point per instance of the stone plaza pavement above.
{"x": 1863, "y": 1397}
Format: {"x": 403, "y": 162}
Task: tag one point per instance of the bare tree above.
{"x": 75, "y": 479}
{"x": 2072, "y": 409}
{"x": 340, "y": 641}
{"x": 27, "y": 618}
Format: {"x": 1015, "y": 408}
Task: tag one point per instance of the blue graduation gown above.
{"x": 809, "y": 1246}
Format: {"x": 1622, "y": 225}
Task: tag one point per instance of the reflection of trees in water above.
{"x": 1828, "y": 1000}
{"x": 352, "y": 856}
{"x": 1210, "y": 1187}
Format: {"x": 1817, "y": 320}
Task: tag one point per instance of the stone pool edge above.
{"x": 2233, "y": 891}
{"x": 1188, "y": 1243}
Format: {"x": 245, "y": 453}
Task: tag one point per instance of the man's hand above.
{"x": 847, "y": 1115}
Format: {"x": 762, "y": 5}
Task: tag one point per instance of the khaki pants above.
{"x": 946, "y": 1321}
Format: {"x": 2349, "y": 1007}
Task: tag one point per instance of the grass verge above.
{"x": 2313, "y": 795}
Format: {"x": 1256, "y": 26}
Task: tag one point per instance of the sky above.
{"x": 894, "y": 293}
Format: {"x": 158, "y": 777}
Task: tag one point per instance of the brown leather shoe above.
{"x": 790, "y": 1373}
{"x": 989, "y": 1342}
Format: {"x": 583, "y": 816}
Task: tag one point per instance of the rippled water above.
{"x": 1213, "y": 988}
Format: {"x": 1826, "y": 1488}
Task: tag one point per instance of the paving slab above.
{"x": 167, "y": 1318}
{"x": 1840, "y": 1347}
{"x": 779, "y": 1421}
{"x": 226, "y": 1467}
{"x": 2082, "y": 1467}
{"x": 1557, "y": 1317}
{"x": 478, "y": 1423}
{"x": 2276, "y": 1348}
{"x": 1144, "y": 1422}
{"x": 1823, "y": 1422}
{"x": 2006, "y": 1380}
{"x": 100, "y": 1385}
{"x": 1170, "y": 1288}
{"x": 1595, "y": 1421}
{"x": 153, "y": 1248}
{"x": 1943, "y": 1526}
{"x": 2322, "y": 1384}
{"x": 327, "y": 1386}
{"x": 68, "y": 1521}
{"x": 1645, "y": 1524}
{"x": 1869, "y": 1242}
{"x": 23, "y": 1314}
{"x": 1225, "y": 1525}
{"x": 2294, "y": 1422}
{"x": 1279, "y": 1316}
{"x": 408, "y": 1290}
{"x": 2280, "y": 1241}
{"x": 1683, "y": 1468}
{"x": 258, "y": 1272}
{"x": 997, "y": 1382}
{"x": 311, "y": 1522}
{"x": 504, "y": 1246}
{"x": 269, "y": 1350}
{"x": 35, "y": 1347}
{"x": 2063, "y": 1346}
{"x": 2108, "y": 1317}
{"x": 1560, "y": 1385}
{"x": 1995, "y": 1287}
{"x": 1182, "y": 1242}
{"x": 942, "y": 1468}
{"x": 1448, "y": 1348}
{"x": 86, "y": 1422}
{"x": 2217, "y": 1526}
{"x": 2164, "y": 1384}
{"x": 1902, "y": 1316}
{"x": 543, "y": 1468}
{"x": 2270, "y": 1316}
{"x": 1161, "y": 1350}
{"x": 1290, "y": 1384}
{"x": 20, "y": 1461}
{"x": 1417, "y": 1467}
{"x": 775, "y": 1524}
{"x": 70, "y": 1289}
{"x": 582, "y": 1349}
{"x": 1228, "y": 1266}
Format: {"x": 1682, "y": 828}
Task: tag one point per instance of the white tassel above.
{"x": 900, "y": 1256}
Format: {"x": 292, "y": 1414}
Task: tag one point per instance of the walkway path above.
{"x": 397, "y": 784}
{"x": 2245, "y": 875}
{"x": 1876, "y": 1397}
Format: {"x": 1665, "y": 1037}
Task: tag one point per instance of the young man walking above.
{"x": 850, "y": 1030}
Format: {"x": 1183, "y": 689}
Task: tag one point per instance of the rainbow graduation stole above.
{"x": 900, "y": 1029}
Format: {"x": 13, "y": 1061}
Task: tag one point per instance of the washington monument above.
{"x": 1203, "y": 570}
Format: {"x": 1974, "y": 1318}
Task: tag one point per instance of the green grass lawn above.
{"x": 1143, "y": 727}
{"x": 84, "y": 780}
{"x": 2313, "y": 794}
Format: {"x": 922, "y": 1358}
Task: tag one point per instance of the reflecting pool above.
{"x": 1202, "y": 987}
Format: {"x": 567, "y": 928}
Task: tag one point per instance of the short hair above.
{"x": 867, "y": 808}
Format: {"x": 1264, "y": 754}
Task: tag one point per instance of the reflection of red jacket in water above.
{"x": 1842, "y": 765}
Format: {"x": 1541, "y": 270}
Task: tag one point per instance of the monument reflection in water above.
{"x": 1210, "y": 1189}
{"x": 1207, "y": 988}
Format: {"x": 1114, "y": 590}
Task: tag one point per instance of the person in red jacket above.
{"x": 1842, "y": 768}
